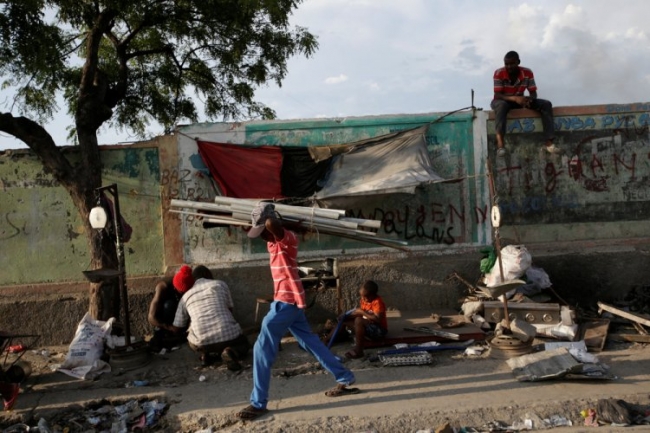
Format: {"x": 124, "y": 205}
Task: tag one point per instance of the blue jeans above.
{"x": 280, "y": 318}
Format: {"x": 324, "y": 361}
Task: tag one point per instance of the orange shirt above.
{"x": 378, "y": 308}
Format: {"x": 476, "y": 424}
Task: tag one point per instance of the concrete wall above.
{"x": 43, "y": 249}
{"x": 584, "y": 216}
{"x": 41, "y": 235}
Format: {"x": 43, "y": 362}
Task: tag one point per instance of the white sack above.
{"x": 516, "y": 260}
{"x": 86, "y": 348}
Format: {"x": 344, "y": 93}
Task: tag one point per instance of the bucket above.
{"x": 18, "y": 372}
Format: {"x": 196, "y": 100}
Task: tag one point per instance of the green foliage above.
{"x": 152, "y": 61}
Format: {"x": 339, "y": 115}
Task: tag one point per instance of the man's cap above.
{"x": 261, "y": 212}
{"x": 183, "y": 280}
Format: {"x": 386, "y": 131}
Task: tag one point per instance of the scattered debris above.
{"x": 556, "y": 364}
{"x": 102, "y": 417}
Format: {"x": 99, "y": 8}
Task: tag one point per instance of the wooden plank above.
{"x": 594, "y": 333}
{"x": 625, "y": 314}
{"x": 400, "y": 319}
{"x": 632, "y": 338}
{"x": 436, "y": 332}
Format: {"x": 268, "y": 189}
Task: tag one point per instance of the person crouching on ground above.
{"x": 207, "y": 306}
{"x": 367, "y": 321}
{"x": 286, "y": 312}
{"x": 162, "y": 311}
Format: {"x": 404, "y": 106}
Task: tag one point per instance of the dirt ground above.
{"x": 464, "y": 391}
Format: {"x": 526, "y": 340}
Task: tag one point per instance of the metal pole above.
{"x": 121, "y": 267}
{"x": 497, "y": 244}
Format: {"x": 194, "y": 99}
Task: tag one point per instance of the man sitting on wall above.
{"x": 207, "y": 306}
{"x": 510, "y": 83}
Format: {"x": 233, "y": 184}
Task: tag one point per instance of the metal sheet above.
{"x": 537, "y": 313}
{"x": 545, "y": 365}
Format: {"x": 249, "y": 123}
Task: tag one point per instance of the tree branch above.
{"x": 40, "y": 141}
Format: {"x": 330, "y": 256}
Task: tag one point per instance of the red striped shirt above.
{"x": 525, "y": 81}
{"x": 287, "y": 286}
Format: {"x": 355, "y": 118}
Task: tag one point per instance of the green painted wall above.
{"x": 437, "y": 216}
{"x": 41, "y": 236}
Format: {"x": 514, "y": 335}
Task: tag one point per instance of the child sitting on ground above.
{"x": 369, "y": 320}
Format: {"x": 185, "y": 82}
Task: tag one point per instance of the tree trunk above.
{"x": 104, "y": 301}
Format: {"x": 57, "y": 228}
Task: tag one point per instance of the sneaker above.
{"x": 501, "y": 152}
{"x": 11, "y": 401}
{"x": 231, "y": 359}
{"x": 553, "y": 149}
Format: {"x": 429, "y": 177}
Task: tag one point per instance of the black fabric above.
{"x": 300, "y": 174}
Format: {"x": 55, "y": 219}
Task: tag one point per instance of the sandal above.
{"x": 341, "y": 390}
{"x": 11, "y": 401}
{"x": 353, "y": 354}
{"x": 250, "y": 413}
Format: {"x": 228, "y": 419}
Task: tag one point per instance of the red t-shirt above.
{"x": 378, "y": 308}
{"x": 525, "y": 81}
{"x": 287, "y": 286}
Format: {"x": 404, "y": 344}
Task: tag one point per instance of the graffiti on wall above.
{"x": 604, "y": 174}
{"x": 434, "y": 223}
{"x": 637, "y": 122}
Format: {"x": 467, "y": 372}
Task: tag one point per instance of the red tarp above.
{"x": 244, "y": 172}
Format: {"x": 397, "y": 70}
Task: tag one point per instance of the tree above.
{"x": 125, "y": 63}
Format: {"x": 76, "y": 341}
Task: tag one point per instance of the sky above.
{"x": 421, "y": 56}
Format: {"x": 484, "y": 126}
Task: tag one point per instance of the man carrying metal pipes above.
{"x": 286, "y": 312}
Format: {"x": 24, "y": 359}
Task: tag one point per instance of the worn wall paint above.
{"x": 41, "y": 235}
{"x": 604, "y": 176}
{"x": 437, "y": 216}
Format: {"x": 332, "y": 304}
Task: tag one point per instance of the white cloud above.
{"x": 336, "y": 80}
{"x": 373, "y": 85}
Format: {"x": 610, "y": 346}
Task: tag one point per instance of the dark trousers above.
{"x": 501, "y": 109}
{"x": 240, "y": 345}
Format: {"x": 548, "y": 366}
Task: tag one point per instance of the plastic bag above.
{"x": 538, "y": 277}
{"x": 516, "y": 260}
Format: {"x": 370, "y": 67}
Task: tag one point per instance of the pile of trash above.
{"x": 529, "y": 303}
{"x": 101, "y": 417}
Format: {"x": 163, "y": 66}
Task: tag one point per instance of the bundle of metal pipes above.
{"x": 237, "y": 212}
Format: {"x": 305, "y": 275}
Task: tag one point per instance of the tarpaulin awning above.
{"x": 395, "y": 162}
{"x": 262, "y": 171}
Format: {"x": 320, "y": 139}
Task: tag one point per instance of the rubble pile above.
{"x": 101, "y": 417}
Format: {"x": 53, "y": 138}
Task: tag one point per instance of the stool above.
{"x": 259, "y": 301}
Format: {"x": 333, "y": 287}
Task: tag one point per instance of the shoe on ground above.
{"x": 13, "y": 396}
{"x": 554, "y": 150}
{"x": 230, "y": 358}
{"x": 501, "y": 152}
